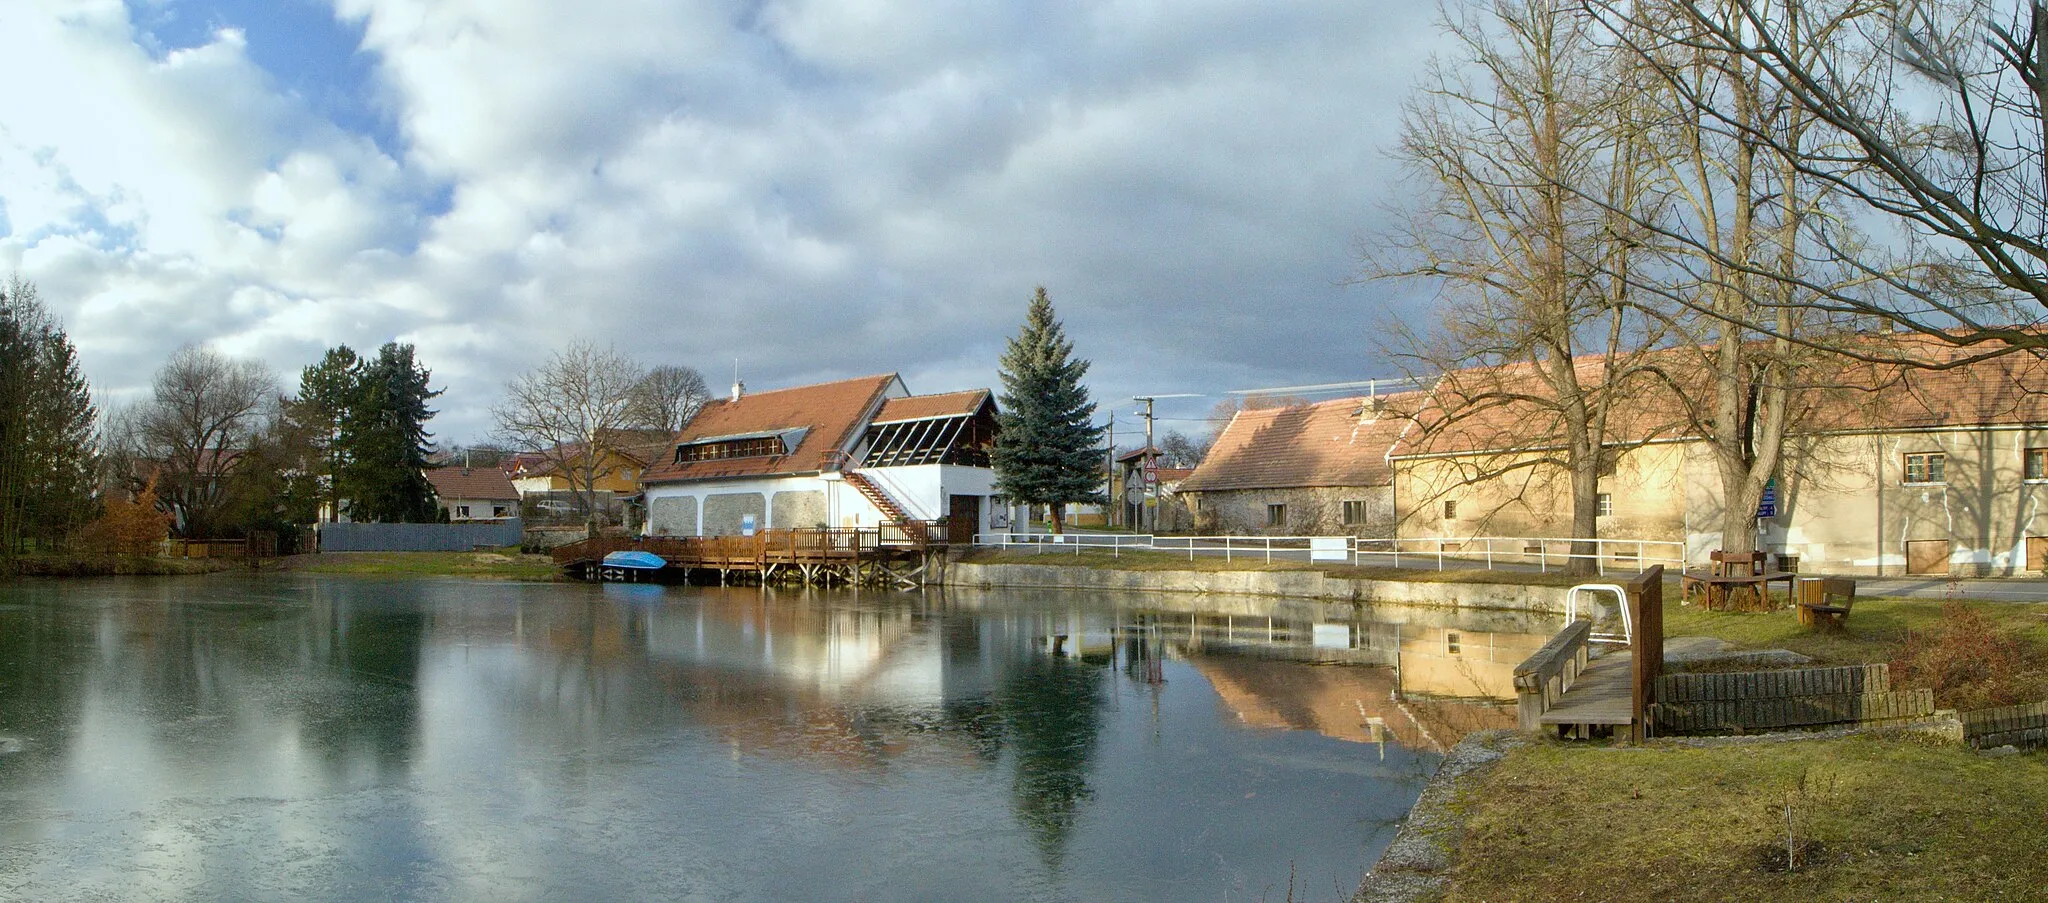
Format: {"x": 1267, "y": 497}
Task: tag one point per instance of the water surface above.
{"x": 354, "y": 739}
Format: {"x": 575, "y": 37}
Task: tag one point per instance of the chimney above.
{"x": 738, "y": 389}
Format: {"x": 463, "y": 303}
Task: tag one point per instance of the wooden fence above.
{"x": 2013, "y": 725}
{"x": 1800, "y": 697}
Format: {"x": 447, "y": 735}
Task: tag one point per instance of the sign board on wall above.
{"x": 1767, "y": 505}
{"x": 1329, "y": 548}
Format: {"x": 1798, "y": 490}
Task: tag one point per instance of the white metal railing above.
{"x": 1491, "y": 552}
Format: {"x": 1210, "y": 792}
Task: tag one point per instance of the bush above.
{"x": 1969, "y": 664}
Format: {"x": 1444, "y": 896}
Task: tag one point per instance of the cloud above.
{"x": 818, "y": 187}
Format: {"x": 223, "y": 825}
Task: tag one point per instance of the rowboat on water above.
{"x": 630, "y": 566}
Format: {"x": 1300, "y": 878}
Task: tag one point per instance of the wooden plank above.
{"x": 1602, "y": 694}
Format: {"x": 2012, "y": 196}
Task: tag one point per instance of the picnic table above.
{"x": 1716, "y": 588}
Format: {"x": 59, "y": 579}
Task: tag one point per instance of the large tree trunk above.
{"x": 1056, "y": 514}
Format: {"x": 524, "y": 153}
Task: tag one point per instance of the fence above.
{"x": 1533, "y": 553}
{"x": 2013, "y": 725}
{"x": 1799, "y": 697}
{"x": 416, "y": 537}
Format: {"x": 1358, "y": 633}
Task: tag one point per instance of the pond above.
{"x": 293, "y": 737}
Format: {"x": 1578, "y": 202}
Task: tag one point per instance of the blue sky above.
{"x": 819, "y": 188}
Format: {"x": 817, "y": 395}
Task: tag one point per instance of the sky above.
{"x": 816, "y": 189}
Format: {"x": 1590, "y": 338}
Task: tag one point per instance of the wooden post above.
{"x": 1646, "y": 613}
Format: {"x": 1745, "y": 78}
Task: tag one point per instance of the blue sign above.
{"x": 1767, "y": 506}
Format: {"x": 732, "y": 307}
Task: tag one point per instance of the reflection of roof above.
{"x": 1328, "y": 443}
{"x": 832, "y": 412}
{"x": 1335, "y": 701}
{"x": 919, "y": 407}
{"x": 471, "y": 483}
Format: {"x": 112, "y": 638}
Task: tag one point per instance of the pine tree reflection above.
{"x": 1052, "y": 709}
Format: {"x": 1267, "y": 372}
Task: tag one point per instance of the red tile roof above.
{"x": 920, "y": 407}
{"x": 1323, "y": 444}
{"x": 830, "y": 413}
{"x": 471, "y": 483}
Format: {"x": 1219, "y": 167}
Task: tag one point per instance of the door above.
{"x": 2037, "y": 553}
{"x": 1927, "y": 556}
{"x": 964, "y": 520}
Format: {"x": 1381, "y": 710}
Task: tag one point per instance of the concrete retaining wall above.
{"x": 1298, "y": 584}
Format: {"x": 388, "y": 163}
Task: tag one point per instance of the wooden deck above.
{"x": 857, "y": 556}
{"x": 1602, "y": 696}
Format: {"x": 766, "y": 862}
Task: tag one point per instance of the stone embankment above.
{"x": 1303, "y": 584}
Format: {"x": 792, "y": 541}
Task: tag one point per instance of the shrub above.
{"x": 1968, "y": 663}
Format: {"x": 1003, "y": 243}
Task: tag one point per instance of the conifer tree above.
{"x": 384, "y": 438}
{"x": 1049, "y": 449}
{"x": 48, "y": 440}
{"x": 327, "y": 392}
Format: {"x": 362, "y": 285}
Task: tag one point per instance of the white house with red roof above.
{"x": 853, "y": 453}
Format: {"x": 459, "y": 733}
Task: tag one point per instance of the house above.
{"x": 474, "y": 493}
{"x": 1888, "y": 470}
{"x": 1310, "y": 469}
{"x": 621, "y": 456}
{"x": 853, "y": 453}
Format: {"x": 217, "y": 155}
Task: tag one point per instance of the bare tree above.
{"x": 1524, "y": 165}
{"x": 667, "y": 398}
{"x": 571, "y": 411}
{"x": 1927, "y": 120}
{"x": 203, "y": 412}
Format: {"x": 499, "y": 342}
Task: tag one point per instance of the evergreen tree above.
{"x": 1048, "y": 451}
{"x": 48, "y": 442}
{"x": 384, "y": 441}
{"x": 327, "y": 392}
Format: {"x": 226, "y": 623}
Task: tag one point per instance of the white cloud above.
{"x": 819, "y": 188}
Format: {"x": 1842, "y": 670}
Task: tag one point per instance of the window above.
{"x": 1453, "y": 643}
{"x": 1450, "y": 509}
{"x": 732, "y": 448}
{"x": 1355, "y": 514}
{"x": 1928, "y": 467}
{"x": 1606, "y": 503}
{"x": 2037, "y": 464}
{"x": 501, "y": 511}
{"x": 461, "y": 510}
{"x": 1276, "y": 515}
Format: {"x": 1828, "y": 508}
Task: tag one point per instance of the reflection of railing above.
{"x": 1539, "y": 553}
{"x": 798, "y": 546}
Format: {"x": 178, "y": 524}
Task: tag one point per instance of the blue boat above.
{"x": 630, "y": 566}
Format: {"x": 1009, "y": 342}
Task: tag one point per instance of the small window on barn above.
{"x": 1606, "y": 502}
{"x": 1930, "y": 468}
{"x": 1355, "y": 514}
{"x": 2037, "y": 464}
{"x": 1450, "y": 509}
{"x": 1276, "y": 515}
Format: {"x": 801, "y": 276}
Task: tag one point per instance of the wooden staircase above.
{"x": 891, "y": 511}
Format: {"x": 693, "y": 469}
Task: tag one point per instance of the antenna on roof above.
{"x": 738, "y": 388}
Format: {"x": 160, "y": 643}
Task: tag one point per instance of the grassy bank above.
{"x": 110, "y": 566}
{"x": 1873, "y": 818}
{"x": 501, "y": 564}
{"x": 1149, "y": 560}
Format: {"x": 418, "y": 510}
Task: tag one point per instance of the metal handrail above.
{"x": 1493, "y": 551}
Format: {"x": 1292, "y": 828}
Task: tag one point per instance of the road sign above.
{"x": 1767, "y": 506}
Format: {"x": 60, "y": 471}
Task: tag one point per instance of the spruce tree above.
{"x": 384, "y": 439}
{"x": 48, "y": 441}
{"x": 1049, "y": 449}
{"x": 327, "y": 392}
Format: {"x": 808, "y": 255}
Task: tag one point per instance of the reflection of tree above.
{"x": 379, "y": 649}
{"x": 1052, "y": 710}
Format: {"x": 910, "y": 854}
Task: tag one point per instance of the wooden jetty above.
{"x": 897, "y": 554}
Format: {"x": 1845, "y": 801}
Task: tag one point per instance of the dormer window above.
{"x": 754, "y": 446}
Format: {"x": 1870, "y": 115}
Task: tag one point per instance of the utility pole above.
{"x": 1150, "y": 457}
{"x": 1150, "y": 506}
{"x": 1109, "y": 481}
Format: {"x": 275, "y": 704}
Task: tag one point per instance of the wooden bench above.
{"x": 1825, "y": 602}
{"x": 1733, "y": 570}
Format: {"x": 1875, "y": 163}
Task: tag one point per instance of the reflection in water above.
{"x": 288, "y": 737}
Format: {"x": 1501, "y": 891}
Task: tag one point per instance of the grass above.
{"x": 1876, "y": 627}
{"x": 1149, "y": 560}
{"x": 500, "y": 564}
{"x": 1873, "y": 818}
{"x": 98, "y": 565}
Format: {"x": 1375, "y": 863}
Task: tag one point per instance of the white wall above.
{"x": 923, "y": 491}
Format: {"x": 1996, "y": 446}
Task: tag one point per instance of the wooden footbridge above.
{"x": 900, "y": 555}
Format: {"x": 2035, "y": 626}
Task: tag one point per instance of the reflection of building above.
{"x": 1356, "y": 704}
{"x": 1451, "y": 661}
